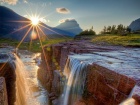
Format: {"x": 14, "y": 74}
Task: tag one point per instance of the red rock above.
{"x": 137, "y": 98}
{"x": 103, "y": 84}
{"x": 125, "y": 85}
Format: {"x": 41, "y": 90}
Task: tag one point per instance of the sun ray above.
{"x": 36, "y": 11}
{"x": 4, "y": 64}
{"x": 31, "y": 12}
{"x": 40, "y": 12}
{"x": 43, "y": 32}
{"x": 26, "y": 12}
{"x": 30, "y": 44}
{"x": 24, "y": 37}
{"x": 53, "y": 31}
{"x": 31, "y": 41}
{"x": 20, "y": 29}
{"x": 21, "y": 21}
{"x": 42, "y": 49}
{"x": 48, "y": 14}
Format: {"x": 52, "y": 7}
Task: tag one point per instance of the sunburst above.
{"x": 34, "y": 20}
{"x": 35, "y": 27}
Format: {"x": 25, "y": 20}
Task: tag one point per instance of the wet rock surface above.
{"x": 107, "y": 86}
{"x": 116, "y": 68}
{"x": 3, "y": 92}
{"x": 8, "y": 73}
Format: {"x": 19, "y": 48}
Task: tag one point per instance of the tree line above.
{"x": 119, "y": 29}
{"x": 88, "y": 32}
{"x": 114, "y": 29}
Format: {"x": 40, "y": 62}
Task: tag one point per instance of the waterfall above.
{"x": 22, "y": 89}
{"x": 75, "y": 74}
{"x": 23, "y": 93}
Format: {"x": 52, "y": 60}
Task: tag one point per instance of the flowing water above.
{"x": 75, "y": 73}
{"x": 22, "y": 89}
{"x": 29, "y": 91}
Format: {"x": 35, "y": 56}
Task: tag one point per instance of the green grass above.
{"x": 35, "y": 46}
{"x": 129, "y": 40}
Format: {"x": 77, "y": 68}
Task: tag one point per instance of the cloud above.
{"x": 25, "y": 1}
{"x": 62, "y": 10}
{"x": 25, "y": 16}
{"x": 44, "y": 20}
{"x": 11, "y": 2}
{"x": 67, "y": 20}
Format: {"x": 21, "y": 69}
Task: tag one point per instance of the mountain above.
{"x": 135, "y": 25}
{"x": 70, "y": 25}
{"x": 9, "y": 22}
{"x": 14, "y": 26}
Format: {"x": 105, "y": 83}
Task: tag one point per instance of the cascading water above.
{"x": 75, "y": 73}
{"x": 29, "y": 91}
{"x": 22, "y": 89}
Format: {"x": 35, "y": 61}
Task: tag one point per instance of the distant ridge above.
{"x": 70, "y": 25}
{"x": 135, "y": 25}
{"x": 9, "y": 24}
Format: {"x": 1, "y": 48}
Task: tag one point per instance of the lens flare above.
{"x": 34, "y": 21}
{"x": 33, "y": 35}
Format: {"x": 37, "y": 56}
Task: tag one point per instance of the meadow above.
{"x": 132, "y": 40}
{"x": 33, "y": 46}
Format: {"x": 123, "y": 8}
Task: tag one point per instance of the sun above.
{"x": 34, "y": 21}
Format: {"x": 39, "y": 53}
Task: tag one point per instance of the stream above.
{"x": 39, "y": 93}
{"x": 26, "y": 71}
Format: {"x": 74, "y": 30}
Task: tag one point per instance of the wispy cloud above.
{"x": 63, "y": 10}
{"x": 66, "y": 20}
{"x": 11, "y": 2}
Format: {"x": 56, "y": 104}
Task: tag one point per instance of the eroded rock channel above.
{"x": 80, "y": 73}
{"x": 71, "y": 73}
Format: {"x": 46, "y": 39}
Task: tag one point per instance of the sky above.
{"x": 88, "y": 13}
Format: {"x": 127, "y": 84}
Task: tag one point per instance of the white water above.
{"x": 129, "y": 101}
{"x": 22, "y": 90}
{"x": 29, "y": 91}
{"x": 75, "y": 73}
{"x": 75, "y": 80}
